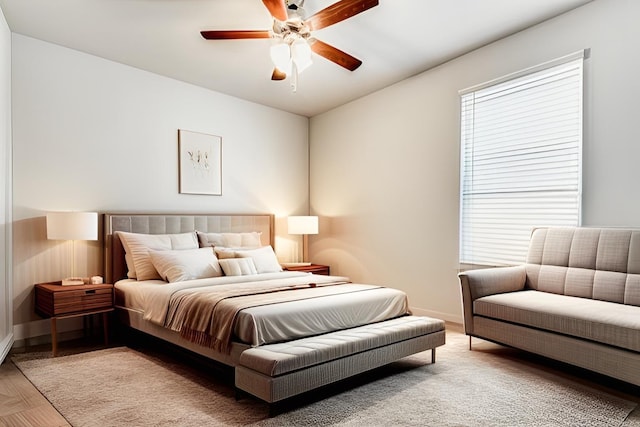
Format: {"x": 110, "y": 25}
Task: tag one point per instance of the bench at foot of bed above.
{"x": 278, "y": 371}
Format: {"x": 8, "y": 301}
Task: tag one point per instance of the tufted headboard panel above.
{"x": 115, "y": 265}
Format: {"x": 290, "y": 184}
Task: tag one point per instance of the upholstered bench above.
{"x": 277, "y": 371}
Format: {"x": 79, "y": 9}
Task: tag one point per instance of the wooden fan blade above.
{"x": 339, "y": 12}
{"x": 277, "y": 9}
{"x": 278, "y": 75}
{"x": 333, "y": 54}
{"x": 235, "y": 34}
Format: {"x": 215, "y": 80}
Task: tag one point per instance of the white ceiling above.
{"x": 395, "y": 40}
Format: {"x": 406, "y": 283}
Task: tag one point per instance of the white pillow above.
{"x": 248, "y": 240}
{"x": 264, "y": 258}
{"x": 210, "y": 239}
{"x": 177, "y": 266}
{"x": 238, "y": 266}
{"x": 184, "y": 241}
{"x": 242, "y": 240}
{"x": 137, "y": 246}
{"x": 225, "y": 253}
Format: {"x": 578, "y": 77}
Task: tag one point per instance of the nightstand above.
{"x": 313, "y": 268}
{"x": 60, "y": 302}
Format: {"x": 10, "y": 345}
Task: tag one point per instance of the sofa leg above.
{"x": 433, "y": 355}
{"x": 469, "y": 342}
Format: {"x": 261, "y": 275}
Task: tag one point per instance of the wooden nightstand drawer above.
{"x": 55, "y": 300}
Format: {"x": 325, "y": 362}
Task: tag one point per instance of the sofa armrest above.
{"x": 479, "y": 283}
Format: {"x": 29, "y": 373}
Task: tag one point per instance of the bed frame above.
{"x": 116, "y": 267}
{"x": 278, "y": 371}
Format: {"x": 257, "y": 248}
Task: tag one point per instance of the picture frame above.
{"x": 199, "y": 163}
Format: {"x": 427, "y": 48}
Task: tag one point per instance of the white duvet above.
{"x": 357, "y": 305}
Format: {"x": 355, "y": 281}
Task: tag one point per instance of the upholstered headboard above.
{"x": 115, "y": 265}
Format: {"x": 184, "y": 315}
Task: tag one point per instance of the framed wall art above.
{"x": 199, "y": 163}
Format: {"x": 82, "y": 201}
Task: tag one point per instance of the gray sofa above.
{"x": 576, "y": 300}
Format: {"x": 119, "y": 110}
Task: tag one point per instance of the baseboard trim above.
{"x": 37, "y": 328}
{"x": 447, "y": 317}
{"x": 5, "y": 346}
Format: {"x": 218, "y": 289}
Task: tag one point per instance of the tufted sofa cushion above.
{"x": 601, "y": 264}
{"x": 599, "y": 321}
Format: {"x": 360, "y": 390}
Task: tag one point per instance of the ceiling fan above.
{"x": 292, "y": 51}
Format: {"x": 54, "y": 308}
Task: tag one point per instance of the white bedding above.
{"x": 152, "y": 296}
{"x": 358, "y": 305}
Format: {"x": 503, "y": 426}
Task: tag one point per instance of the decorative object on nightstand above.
{"x": 72, "y": 226}
{"x": 311, "y": 268}
{"x": 304, "y": 225}
{"x": 61, "y": 302}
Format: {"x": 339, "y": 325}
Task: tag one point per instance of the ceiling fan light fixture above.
{"x": 281, "y": 57}
{"x": 301, "y": 54}
{"x": 292, "y": 33}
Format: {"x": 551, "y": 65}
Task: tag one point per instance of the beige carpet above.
{"x": 490, "y": 386}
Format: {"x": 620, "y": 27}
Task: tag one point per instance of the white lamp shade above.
{"x": 72, "y": 226}
{"x": 301, "y": 54}
{"x": 281, "y": 57}
{"x": 302, "y": 224}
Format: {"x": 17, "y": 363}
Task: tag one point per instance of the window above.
{"x": 521, "y": 149}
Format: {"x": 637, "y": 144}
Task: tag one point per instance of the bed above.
{"x": 211, "y": 283}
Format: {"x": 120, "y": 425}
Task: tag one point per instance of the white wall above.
{"x": 6, "y": 313}
{"x": 385, "y": 168}
{"x": 94, "y": 135}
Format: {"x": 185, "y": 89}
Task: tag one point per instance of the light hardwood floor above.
{"x": 21, "y": 404}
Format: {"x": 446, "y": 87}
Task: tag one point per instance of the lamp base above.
{"x": 295, "y": 264}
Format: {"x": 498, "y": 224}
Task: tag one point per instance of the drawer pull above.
{"x": 90, "y": 291}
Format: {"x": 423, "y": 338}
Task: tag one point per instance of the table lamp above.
{"x": 304, "y": 225}
{"x": 72, "y": 226}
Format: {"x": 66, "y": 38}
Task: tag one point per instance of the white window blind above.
{"x": 521, "y": 150}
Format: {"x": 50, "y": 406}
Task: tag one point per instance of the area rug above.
{"x": 126, "y": 387}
